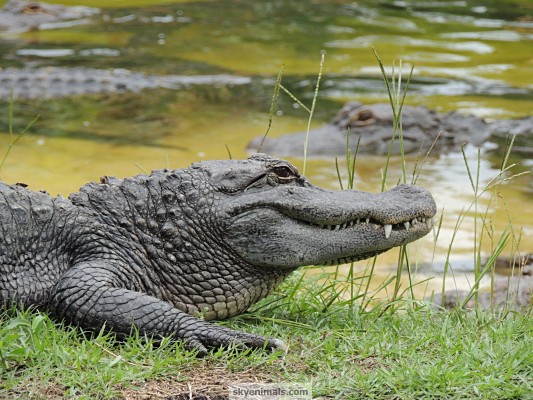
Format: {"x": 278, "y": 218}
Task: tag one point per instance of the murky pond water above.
{"x": 471, "y": 56}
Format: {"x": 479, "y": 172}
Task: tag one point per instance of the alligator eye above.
{"x": 32, "y": 8}
{"x": 363, "y": 117}
{"x": 284, "y": 173}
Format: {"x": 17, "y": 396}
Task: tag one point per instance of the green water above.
{"x": 471, "y": 56}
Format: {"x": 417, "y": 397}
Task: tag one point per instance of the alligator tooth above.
{"x": 414, "y": 221}
{"x": 406, "y": 224}
{"x": 337, "y": 227}
{"x": 367, "y": 220}
{"x": 358, "y": 220}
{"x": 388, "y": 230}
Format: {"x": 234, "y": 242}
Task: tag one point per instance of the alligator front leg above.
{"x": 91, "y": 295}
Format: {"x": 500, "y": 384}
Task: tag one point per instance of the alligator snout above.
{"x": 290, "y": 226}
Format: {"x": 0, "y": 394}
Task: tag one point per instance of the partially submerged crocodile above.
{"x": 51, "y": 82}
{"x": 157, "y": 251}
{"x": 372, "y": 127}
{"x": 25, "y": 15}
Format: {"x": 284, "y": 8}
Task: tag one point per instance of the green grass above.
{"x": 346, "y": 353}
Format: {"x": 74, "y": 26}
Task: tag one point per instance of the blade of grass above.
{"x": 504, "y": 239}
{"x": 293, "y": 97}
{"x": 12, "y": 138}
{"x": 229, "y": 151}
{"x": 273, "y": 109}
{"x": 312, "y": 111}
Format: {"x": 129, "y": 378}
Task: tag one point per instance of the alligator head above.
{"x": 19, "y": 15}
{"x": 373, "y": 127}
{"x": 272, "y": 216}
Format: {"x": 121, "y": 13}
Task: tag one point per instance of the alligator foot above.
{"x": 215, "y": 336}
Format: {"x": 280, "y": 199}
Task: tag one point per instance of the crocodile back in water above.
{"x": 51, "y": 82}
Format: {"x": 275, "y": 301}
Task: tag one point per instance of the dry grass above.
{"x": 196, "y": 383}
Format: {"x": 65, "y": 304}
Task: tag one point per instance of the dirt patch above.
{"x": 210, "y": 383}
{"x": 37, "y": 390}
{"x": 367, "y": 364}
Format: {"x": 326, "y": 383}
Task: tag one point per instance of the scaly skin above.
{"x": 371, "y": 127}
{"x": 54, "y": 82}
{"x": 155, "y": 251}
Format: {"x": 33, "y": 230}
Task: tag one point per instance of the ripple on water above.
{"x": 430, "y": 4}
{"x": 500, "y": 35}
{"x": 426, "y": 56}
{"x": 100, "y": 52}
{"x": 369, "y": 40}
{"x": 46, "y": 52}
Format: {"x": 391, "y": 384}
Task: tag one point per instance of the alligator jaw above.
{"x": 419, "y": 226}
{"x": 292, "y": 227}
{"x": 394, "y": 234}
{"x": 387, "y": 228}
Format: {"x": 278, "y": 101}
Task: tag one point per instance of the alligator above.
{"x": 53, "y": 82}
{"x": 21, "y": 16}
{"x": 167, "y": 252}
{"x": 370, "y": 128}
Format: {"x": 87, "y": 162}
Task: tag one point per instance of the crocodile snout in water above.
{"x": 25, "y": 15}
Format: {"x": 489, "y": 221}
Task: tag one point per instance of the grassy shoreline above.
{"x": 344, "y": 352}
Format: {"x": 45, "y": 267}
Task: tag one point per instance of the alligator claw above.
{"x": 193, "y": 344}
{"x": 278, "y": 344}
